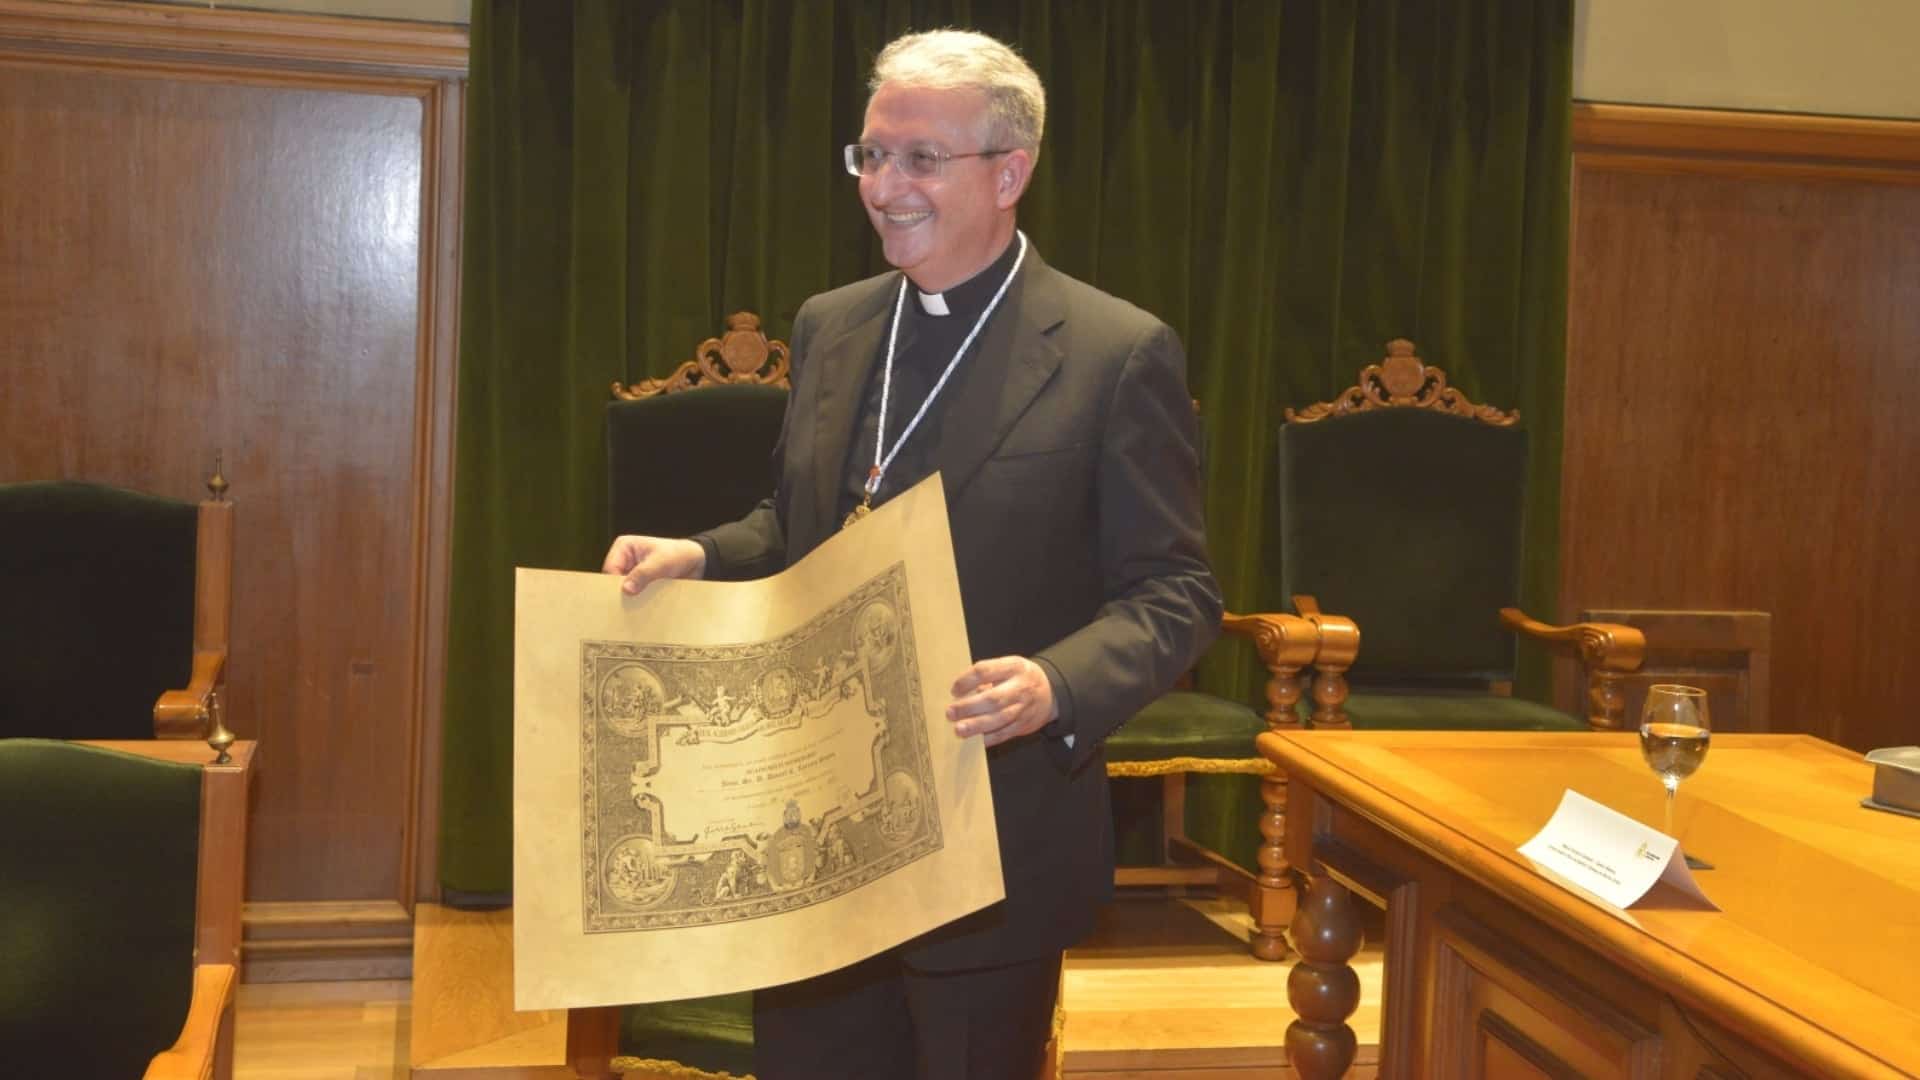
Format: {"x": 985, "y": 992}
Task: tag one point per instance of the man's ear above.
{"x": 1010, "y": 178}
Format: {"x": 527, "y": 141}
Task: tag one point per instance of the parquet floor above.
{"x": 1165, "y": 990}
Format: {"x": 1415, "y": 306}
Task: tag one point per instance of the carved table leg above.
{"x": 1273, "y": 897}
{"x": 1322, "y": 988}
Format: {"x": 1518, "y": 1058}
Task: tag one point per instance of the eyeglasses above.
{"x": 918, "y": 163}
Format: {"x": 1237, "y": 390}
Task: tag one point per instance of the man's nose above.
{"x": 888, "y": 182}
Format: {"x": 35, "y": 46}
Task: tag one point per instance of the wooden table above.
{"x": 1811, "y": 967}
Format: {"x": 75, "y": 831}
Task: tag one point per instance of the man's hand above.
{"x": 1003, "y": 698}
{"x": 645, "y": 559}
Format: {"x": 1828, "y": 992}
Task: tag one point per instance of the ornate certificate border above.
{"x": 639, "y": 702}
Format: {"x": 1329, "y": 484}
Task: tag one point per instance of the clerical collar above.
{"x": 971, "y": 295}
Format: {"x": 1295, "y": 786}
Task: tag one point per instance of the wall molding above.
{"x": 1645, "y": 138}
{"x": 186, "y": 40}
{"x": 326, "y": 940}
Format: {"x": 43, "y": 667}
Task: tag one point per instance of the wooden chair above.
{"x": 92, "y": 571}
{"x": 686, "y": 453}
{"x": 123, "y": 873}
{"x": 1725, "y": 653}
{"x": 1401, "y": 506}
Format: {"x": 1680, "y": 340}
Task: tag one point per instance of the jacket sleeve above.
{"x": 1163, "y": 606}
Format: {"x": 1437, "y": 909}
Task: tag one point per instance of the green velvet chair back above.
{"x": 99, "y": 607}
{"x": 695, "y": 449}
{"x": 680, "y": 463}
{"x": 1408, "y": 521}
{"x": 98, "y": 872}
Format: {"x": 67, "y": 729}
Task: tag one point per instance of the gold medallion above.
{"x": 858, "y": 512}
{"x": 866, "y": 498}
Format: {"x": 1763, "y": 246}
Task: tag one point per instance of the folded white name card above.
{"x": 1609, "y": 854}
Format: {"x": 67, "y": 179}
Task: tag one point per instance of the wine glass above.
{"x": 1673, "y": 735}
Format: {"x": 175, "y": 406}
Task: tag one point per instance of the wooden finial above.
{"x": 217, "y": 484}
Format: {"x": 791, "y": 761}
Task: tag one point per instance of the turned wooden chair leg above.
{"x": 1272, "y": 899}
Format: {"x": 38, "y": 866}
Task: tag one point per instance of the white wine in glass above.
{"x": 1674, "y": 730}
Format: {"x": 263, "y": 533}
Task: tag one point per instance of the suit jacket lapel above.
{"x": 1015, "y": 359}
{"x": 856, "y": 349}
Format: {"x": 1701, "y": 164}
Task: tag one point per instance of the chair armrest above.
{"x": 182, "y": 714}
{"x": 1286, "y": 643}
{"x": 1605, "y": 649}
{"x": 1339, "y": 647}
{"x": 1601, "y": 646}
{"x": 1280, "y": 639}
{"x": 191, "y": 1057}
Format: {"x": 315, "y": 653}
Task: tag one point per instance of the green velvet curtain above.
{"x": 1288, "y": 183}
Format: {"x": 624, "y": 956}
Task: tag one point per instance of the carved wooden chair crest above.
{"x": 737, "y": 356}
{"x": 695, "y": 449}
{"x": 1402, "y": 380}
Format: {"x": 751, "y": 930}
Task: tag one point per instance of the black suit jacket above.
{"x": 1070, "y": 462}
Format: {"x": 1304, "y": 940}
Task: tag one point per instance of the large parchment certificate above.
{"x": 724, "y": 786}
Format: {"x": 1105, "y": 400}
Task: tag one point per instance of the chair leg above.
{"x": 593, "y": 1038}
{"x": 1273, "y": 898}
{"x": 1173, "y": 813}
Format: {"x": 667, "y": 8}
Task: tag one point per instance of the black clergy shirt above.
{"x": 926, "y": 345}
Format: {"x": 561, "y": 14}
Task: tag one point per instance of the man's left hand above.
{"x": 1003, "y": 698}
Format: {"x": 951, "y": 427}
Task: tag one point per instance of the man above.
{"x": 1059, "y": 419}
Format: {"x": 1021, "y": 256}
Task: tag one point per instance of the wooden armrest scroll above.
{"x": 191, "y": 1057}
{"x": 1605, "y": 649}
{"x": 182, "y": 714}
{"x": 1286, "y": 643}
{"x": 1602, "y": 646}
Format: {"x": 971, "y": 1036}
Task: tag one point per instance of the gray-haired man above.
{"x": 1059, "y": 419}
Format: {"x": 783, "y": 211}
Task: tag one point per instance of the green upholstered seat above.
{"x": 98, "y": 871}
{"x": 1454, "y": 710}
{"x": 1211, "y": 739}
{"x": 1186, "y": 724}
{"x": 706, "y": 1035}
{"x": 99, "y": 611}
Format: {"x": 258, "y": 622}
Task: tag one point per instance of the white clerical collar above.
{"x": 933, "y": 303}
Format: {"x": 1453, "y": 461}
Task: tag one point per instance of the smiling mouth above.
{"x": 913, "y": 217}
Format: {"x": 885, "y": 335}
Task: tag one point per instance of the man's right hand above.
{"x": 644, "y": 559}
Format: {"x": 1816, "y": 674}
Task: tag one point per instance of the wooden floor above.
{"x": 322, "y": 1031}
{"x": 1164, "y": 990}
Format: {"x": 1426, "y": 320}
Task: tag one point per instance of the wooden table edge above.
{"x": 1583, "y": 921}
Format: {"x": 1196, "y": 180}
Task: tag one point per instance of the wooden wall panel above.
{"x": 255, "y": 255}
{"x": 1743, "y": 393}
